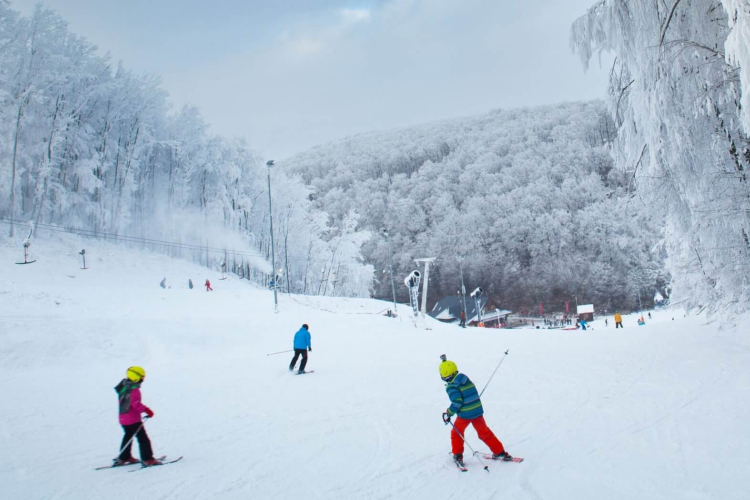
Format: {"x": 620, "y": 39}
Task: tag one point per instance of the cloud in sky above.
{"x": 313, "y": 39}
{"x": 354, "y": 16}
{"x": 290, "y": 74}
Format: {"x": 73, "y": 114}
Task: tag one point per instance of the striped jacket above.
{"x": 464, "y": 398}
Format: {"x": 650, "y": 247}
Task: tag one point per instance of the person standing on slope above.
{"x": 301, "y": 346}
{"x": 208, "y": 286}
{"x": 465, "y": 403}
{"x": 618, "y": 321}
{"x": 131, "y": 408}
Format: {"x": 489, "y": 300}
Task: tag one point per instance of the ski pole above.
{"x": 133, "y": 436}
{"x": 493, "y": 373}
{"x": 448, "y": 421}
{"x": 280, "y": 352}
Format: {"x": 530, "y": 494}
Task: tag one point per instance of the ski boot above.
{"x": 504, "y": 456}
{"x": 150, "y": 462}
{"x": 459, "y": 459}
{"x": 127, "y": 461}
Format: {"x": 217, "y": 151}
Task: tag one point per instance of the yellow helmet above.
{"x": 448, "y": 370}
{"x": 136, "y": 373}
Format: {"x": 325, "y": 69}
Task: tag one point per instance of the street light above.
{"x": 269, "y": 164}
{"x": 460, "y": 259}
{"x": 390, "y": 264}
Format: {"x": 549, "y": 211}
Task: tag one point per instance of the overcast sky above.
{"x": 290, "y": 74}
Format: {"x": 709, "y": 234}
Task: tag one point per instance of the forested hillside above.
{"x": 528, "y": 197}
{"x": 87, "y": 144}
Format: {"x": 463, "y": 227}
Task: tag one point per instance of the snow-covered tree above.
{"x": 677, "y": 103}
{"x": 92, "y": 146}
{"x": 529, "y": 197}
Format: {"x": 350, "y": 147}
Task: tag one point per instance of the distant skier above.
{"x": 583, "y": 324}
{"x": 208, "y": 286}
{"x": 462, "y": 324}
{"x": 163, "y": 283}
{"x": 466, "y": 404}
{"x": 131, "y": 408}
{"x": 301, "y": 346}
{"x": 190, "y": 284}
{"x": 606, "y": 322}
{"x": 649, "y": 315}
{"x": 618, "y": 321}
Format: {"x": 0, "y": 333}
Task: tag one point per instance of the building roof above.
{"x": 449, "y": 308}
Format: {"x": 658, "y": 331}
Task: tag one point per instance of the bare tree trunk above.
{"x": 45, "y": 172}
{"x": 307, "y": 265}
{"x": 19, "y": 117}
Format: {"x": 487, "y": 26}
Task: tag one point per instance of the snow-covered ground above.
{"x": 653, "y": 412}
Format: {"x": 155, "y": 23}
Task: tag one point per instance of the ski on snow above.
{"x": 305, "y": 373}
{"x": 460, "y": 465}
{"x": 156, "y": 465}
{"x": 487, "y": 456}
{"x": 114, "y": 466}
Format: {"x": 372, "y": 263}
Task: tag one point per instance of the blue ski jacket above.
{"x": 302, "y": 339}
{"x": 464, "y": 398}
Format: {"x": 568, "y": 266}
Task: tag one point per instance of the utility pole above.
{"x": 460, "y": 259}
{"x": 426, "y": 282}
{"x": 269, "y": 164}
{"x": 384, "y": 231}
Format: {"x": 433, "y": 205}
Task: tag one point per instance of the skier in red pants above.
{"x": 466, "y": 404}
{"x": 208, "y": 286}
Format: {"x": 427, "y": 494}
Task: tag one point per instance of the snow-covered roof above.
{"x": 586, "y": 308}
{"x": 450, "y": 307}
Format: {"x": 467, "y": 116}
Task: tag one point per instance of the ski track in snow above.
{"x": 649, "y": 412}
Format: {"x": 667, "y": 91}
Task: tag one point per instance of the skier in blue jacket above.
{"x": 301, "y": 346}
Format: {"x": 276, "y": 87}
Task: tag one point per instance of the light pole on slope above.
{"x": 269, "y": 164}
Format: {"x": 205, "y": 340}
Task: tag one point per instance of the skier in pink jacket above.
{"x": 131, "y": 408}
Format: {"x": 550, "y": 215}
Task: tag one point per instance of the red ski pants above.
{"x": 484, "y": 433}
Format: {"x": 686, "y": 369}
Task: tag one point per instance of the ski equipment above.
{"x": 160, "y": 462}
{"x": 280, "y": 352}
{"x": 459, "y": 461}
{"x": 133, "y": 436}
{"x": 305, "y": 373}
{"x": 486, "y": 467}
{"x": 505, "y": 458}
{"x": 493, "y": 373}
{"x": 136, "y": 373}
{"x": 448, "y": 369}
{"x": 115, "y": 463}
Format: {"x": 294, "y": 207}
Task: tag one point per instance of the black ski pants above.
{"x": 144, "y": 443}
{"x": 297, "y": 354}
{"x": 618, "y": 325}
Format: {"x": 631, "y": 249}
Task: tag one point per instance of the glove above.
{"x": 309, "y": 349}
{"x": 446, "y": 418}
{"x": 149, "y": 413}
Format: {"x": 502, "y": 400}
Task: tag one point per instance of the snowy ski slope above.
{"x": 653, "y": 412}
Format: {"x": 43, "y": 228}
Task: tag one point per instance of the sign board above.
{"x": 586, "y": 308}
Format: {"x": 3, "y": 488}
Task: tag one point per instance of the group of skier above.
{"x": 465, "y": 405}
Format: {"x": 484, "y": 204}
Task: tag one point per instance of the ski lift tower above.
{"x": 426, "y": 281}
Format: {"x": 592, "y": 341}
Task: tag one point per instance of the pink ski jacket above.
{"x": 135, "y": 408}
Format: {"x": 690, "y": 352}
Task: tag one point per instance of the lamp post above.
{"x": 269, "y": 164}
{"x": 390, "y": 265}
{"x": 460, "y": 259}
